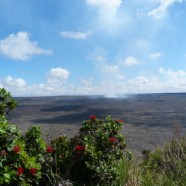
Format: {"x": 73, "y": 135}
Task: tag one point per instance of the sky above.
{"x": 92, "y": 47}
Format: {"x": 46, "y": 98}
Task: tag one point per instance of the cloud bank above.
{"x": 57, "y": 83}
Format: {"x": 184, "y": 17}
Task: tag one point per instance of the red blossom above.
{"x": 33, "y": 171}
{"x": 112, "y": 139}
{"x": 119, "y": 121}
{"x": 92, "y": 117}
{"x": 49, "y": 149}
{"x": 20, "y": 171}
{"x": 16, "y": 149}
{"x": 79, "y": 148}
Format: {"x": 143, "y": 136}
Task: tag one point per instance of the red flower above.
{"x": 80, "y": 148}
{"x": 112, "y": 139}
{"x": 20, "y": 171}
{"x": 92, "y": 117}
{"x": 49, "y": 149}
{"x": 16, "y": 149}
{"x": 33, "y": 171}
{"x": 119, "y": 121}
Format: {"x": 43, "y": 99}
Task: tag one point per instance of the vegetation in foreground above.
{"x": 97, "y": 155}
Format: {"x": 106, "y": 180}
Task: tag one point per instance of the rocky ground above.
{"x": 150, "y": 119}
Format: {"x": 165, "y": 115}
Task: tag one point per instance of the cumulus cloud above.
{"x": 144, "y": 84}
{"x": 56, "y": 77}
{"x": 54, "y": 84}
{"x": 59, "y": 73}
{"x": 75, "y": 35}
{"x": 161, "y": 10}
{"x": 155, "y": 56}
{"x": 19, "y": 82}
{"x": 174, "y": 79}
{"x": 19, "y": 47}
{"x": 131, "y": 61}
{"x": 17, "y": 86}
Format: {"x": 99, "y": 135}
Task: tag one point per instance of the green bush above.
{"x": 93, "y": 155}
{"x": 24, "y": 159}
{"x": 169, "y": 161}
{"x": 7, "y": 103}
{"x": 17, "y": 167}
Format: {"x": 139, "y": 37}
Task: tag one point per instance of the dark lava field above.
{"x": 150, "y": 119}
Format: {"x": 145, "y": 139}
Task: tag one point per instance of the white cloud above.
{"x": 110, "y": 5}
{"x": 108, "y": 18}
{"x": 111, "y": 68}
{"x": 155, "y": 56}
{"x": 56, "y": 84}
{"x": 19, "y": 47}
{"x": 56, "y": 77}
{"x": 143, "y": 84}
{"x": 58, "y": 72}
{"x": 161, "y": 10}
{"x": 17, "y": 86}
{"x": 19, "y": 82}
{"x": 85, "y": 87}
{"x": 75, "y": 35}
{"x": 131, "y": 61}
{"x": 174, "y": 79}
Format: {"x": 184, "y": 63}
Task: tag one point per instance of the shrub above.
{"x": 7, "y": 103}
{"x": 93, "y": 155}
{"x": 35, "y": 145}
{"x": 24, "y": 159}
{"x": 16, "y": 165}
{"x": 169, "y": 161}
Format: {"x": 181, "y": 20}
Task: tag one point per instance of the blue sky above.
{"x": 92, "y": 47}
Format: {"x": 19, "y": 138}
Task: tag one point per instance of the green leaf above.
{"x": 7, "y": 176}
{"x": 2, "y": 131}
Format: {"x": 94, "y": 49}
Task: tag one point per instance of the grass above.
{"x": 165, "y": 166}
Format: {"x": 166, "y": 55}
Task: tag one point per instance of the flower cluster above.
{"x": 33, "y": 171}
{"x": 80, "y": 148}
{"x": 92, "y": 117}
{"x": 16, "y": 149}
{"x": 49, "y": 149}
{"x": 119, "y": 121}
{"x": 20, "y": 171}
{"x": 113, "y": 139}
